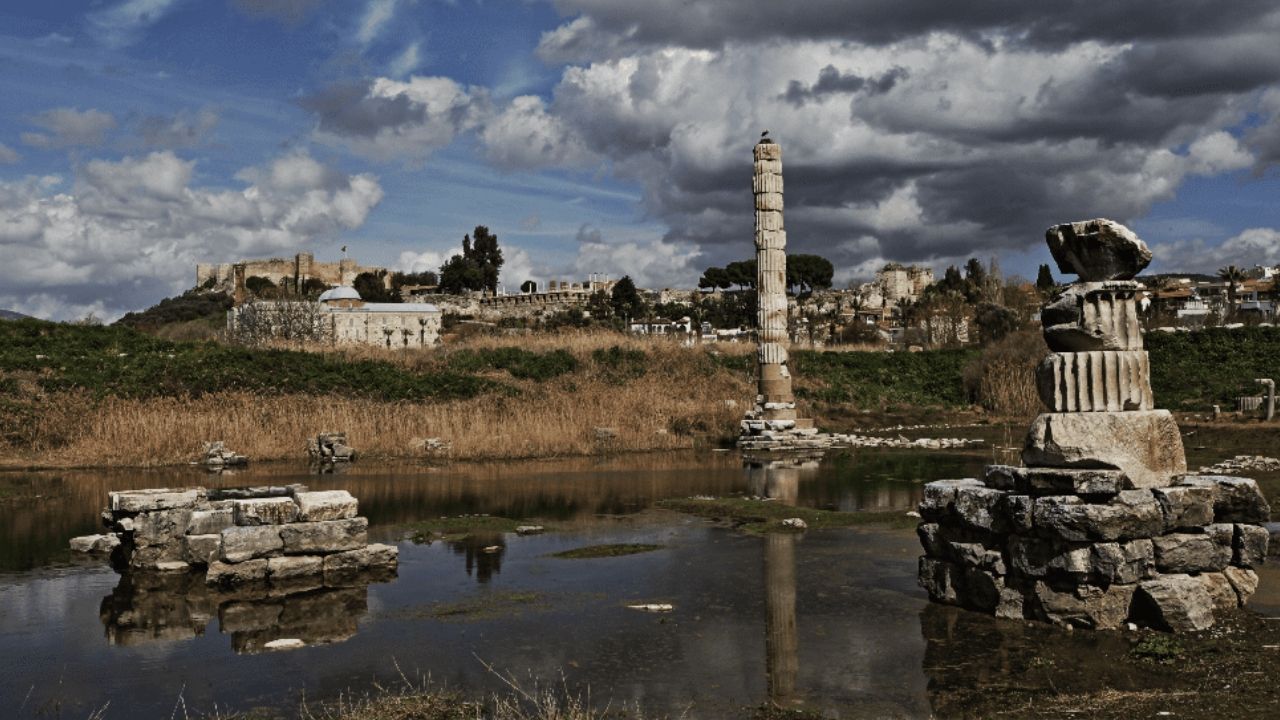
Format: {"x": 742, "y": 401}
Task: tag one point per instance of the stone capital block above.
{"x": 264, "y": 511}
{"x": 1146, "y": 445}
{"x": 136, "y": 501}
{"x": 325, "y": 505}
{"x": 1096, "y": 381}
{"x": 245, "y": 543}
{"x": 1093, "y": 316}
{"x": 329, "y": 536}
{"x": 1098, "y": 249}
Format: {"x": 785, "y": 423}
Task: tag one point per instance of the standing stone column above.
{"x": 771, "y": 285}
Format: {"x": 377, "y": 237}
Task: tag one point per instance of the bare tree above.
{"x": 261, "y": 322}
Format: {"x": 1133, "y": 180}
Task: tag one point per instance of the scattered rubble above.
{"x": 216, "y": 456}
{"x": 330, "y": 447}
{"x": 1239, "y": 463}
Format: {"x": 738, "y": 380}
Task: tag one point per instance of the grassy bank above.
{"x": 76, "y": 395}
{"x": 73, "y": 395}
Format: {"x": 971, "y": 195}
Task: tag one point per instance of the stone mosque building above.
{"x": 340, "y": 317}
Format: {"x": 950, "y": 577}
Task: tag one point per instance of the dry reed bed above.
{"x": 681, "y": 401}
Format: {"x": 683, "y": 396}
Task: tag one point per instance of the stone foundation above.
{"x": 1079, "y": 548}
{"x": 280, "y": 537}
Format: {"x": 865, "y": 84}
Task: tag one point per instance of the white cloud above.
{"x": 389, "y": 119}
{"x": 7, "y": 155}
{"x": 406, "y": 62}
{"x": 376, "y": 16}
{"x": 67, "y": 127}
{"x": 653, "y": 263}
{"x": 129, "y": 232}
{"x": 124, "y": 24}
{"x": 411, "y": 261}
{"x": 524, "y": 135}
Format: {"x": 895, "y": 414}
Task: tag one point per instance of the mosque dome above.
{"x": 341, "y": 292}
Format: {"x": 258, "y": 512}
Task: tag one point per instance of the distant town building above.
{"x": 338, "y": 317}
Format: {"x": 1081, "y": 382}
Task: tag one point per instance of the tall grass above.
{"x": 1002, "y": 379}
{"x": 656, "y": 396}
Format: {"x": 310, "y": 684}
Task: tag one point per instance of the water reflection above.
{"x": 151, "y": 608}
{"x": 41, "y": 511}
{"x": 782, "y": 658}
{"x": 483, "y": 554}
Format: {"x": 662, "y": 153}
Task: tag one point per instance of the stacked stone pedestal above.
{"x": 1084, "y": 548}
{"x": 285, "y": 537}
{"x": 1102, "y": 526}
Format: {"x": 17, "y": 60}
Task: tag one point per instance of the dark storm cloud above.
{"x": 831, "y": 81}
{"x": 348, "y": 109}
{"x": 712, "y": 23}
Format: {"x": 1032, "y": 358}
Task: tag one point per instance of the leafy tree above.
{"x": 484, "y": 251}
{"x": 1044, "y": 279}
{"x": 426, "y": 277}
{"x": 600, "y": 305}
{"x": 974, "y": 273}
{"x": 994, "y": 322}
{"x": 312, "y": 287}
{"x": 625, "y": 299}
{"x": 460, "y": 274}
{"x": 260, "y": 286}
{"x": 809, "y": 272}
{"x": 529, "y": 286}
{"x": 715, "y": 277}
{"x": 742, "y": 273}
{"x": 372, "y": 287}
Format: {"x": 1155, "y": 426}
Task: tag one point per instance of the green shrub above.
{"x": 1196, "y": 370}
{"x": 620, "y": 363}
{"x": 523, "y": 364}
{"x": 123, "y": 362}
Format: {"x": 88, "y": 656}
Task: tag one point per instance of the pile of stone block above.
{"x": 285, "y": 536}
{"x": 1103, "y": 526}
{"x": 330, "y": 447}
{"x": 216, "y": 456}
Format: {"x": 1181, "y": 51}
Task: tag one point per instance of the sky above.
{"x": 139, "y": 137}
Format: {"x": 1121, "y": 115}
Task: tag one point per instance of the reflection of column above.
{"x": 779, "y": 482}
{"x": 782, "y": 662}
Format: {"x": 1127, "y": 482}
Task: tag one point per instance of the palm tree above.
{"x": 1232, "y": 276}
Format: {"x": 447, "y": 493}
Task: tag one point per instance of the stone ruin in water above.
{"x": 281, "y": 567}
{"x": 1103, "y": 526}
{"x": 238, "y": 535}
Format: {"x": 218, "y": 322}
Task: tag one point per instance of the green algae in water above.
{"x": 603, "y": 551}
